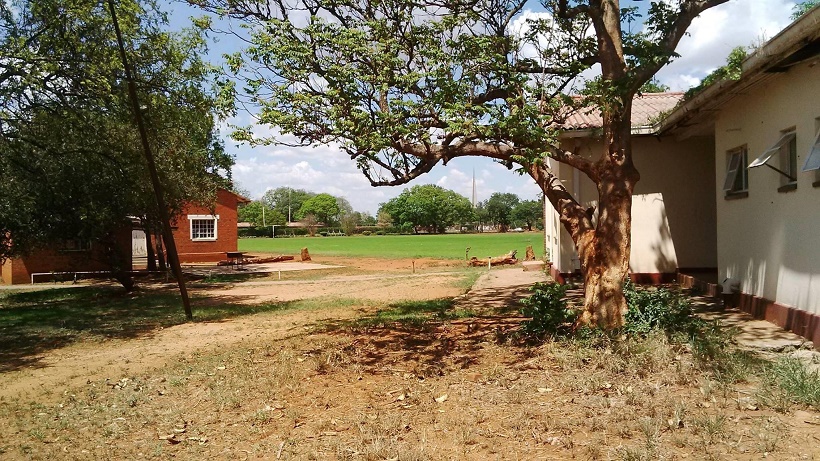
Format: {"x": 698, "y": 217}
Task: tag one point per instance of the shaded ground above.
{"x": 404, "y": 379}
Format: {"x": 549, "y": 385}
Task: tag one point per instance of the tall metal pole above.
{"x": 167, "y": 234}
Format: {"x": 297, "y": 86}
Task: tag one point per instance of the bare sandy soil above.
{"x": 80, "y": 363}
{"x": 313, "y": 384}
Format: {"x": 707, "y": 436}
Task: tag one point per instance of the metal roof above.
{"x": 647, "y": 109}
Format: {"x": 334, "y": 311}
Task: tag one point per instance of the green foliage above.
{"x": 286, "y": 200}
{"x": 529, "y": 213}
{"x": 654, "y": 86}
{"x": 548, "y": 312}
{"x": 730, "y": 71}
{"x": 657, "y": 308}
{"x": 428, "y": 206}
{"x": 254, "y": 214}
{"x": 324, "y": 206}
{"x": 500, "y": 209}
{"x": 69, "y": 151}
{"x": 802, "y": 8}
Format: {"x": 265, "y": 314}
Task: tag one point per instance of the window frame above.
{"x": 813, "y": 155}
{"x": 199, "y": 217}
{"x": 741, "y": 153}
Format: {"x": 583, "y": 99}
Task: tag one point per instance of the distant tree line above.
{"x": 433, "y": 209}
{"x": 425, "y": 208}
{"x": 283, "y": 204}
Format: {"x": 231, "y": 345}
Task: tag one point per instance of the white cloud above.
{"x": 714, "y": 33}
{"x": 326, "y": 169}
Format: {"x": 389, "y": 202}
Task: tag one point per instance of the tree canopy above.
{"x": 500, "y": 209}
{"x": 286, "y": 200}
{"x": 529, "y": 213}
{"x": 69, "y": 151}
{"x": 324, "y": 207}
{"x": 254, "y": 214}
{"x": 428, "y": 207}
{"x": 403, "y": 86}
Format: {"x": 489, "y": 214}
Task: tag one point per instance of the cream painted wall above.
{"x": 673, "y": 211}
{"x": 770, "y": 240}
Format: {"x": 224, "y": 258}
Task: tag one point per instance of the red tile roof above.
{"x": 645, "y": 111}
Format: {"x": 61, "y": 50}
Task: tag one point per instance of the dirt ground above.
{"x": 313, "y": 384}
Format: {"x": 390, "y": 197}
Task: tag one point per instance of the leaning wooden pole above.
{"x": 167, "y": 234}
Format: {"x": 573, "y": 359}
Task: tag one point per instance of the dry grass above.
{"x": 419, "y": 381}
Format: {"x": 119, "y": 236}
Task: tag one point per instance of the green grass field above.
{"x": 446, "y": 246}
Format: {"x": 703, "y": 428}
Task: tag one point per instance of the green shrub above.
{"x": 379, "y": 232}
{"x": 366, "y": 233}
{"x": 656, "y": 308}
{"x": 548, "y": 311}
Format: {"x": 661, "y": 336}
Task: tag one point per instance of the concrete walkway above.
{"x": 500, "y": 290}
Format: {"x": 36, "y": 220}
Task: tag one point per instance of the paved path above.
{"x": 500, "y": 290}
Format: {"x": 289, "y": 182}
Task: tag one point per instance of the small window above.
{"x": 737, "y": 176}
{"x": 78, "y": 244}
{"x": 813, "y": 159}
{"x": 786, "y": 148}
{"x": 203, "y": 227}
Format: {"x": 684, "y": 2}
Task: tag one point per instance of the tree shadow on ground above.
{"x": 35, "y": 322}
{"x": 425, "y": 338}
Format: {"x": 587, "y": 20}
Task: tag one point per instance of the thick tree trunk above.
{"x": 605, "y": 256}
{"x": 603, "y": 246}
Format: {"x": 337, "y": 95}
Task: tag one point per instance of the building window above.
{"x": 203, "y": 227}
{"x": 737, "y": 176}
{"x": 786, "y": 149}
{"x": 78, "y": 244}
{"x": 813, "y": 159}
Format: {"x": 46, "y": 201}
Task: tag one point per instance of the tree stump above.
{"x": 530, "y": 256}
{"x": 305, "y": 254}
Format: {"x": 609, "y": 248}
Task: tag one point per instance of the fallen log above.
{"x": 272, "y": 259}
{"x": 507, "y": 259}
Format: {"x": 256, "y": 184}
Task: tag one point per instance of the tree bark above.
{"x": 603, "y": 245}
{"x": 149, "y": 247}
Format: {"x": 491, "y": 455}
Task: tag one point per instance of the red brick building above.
{"x": 201, "y": 234}
{"x": 205, "y": 235}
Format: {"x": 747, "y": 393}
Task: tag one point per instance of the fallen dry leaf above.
{"x": 442, "y": 398}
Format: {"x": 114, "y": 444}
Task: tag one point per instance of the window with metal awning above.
{"x": 789, "y": 161}
{"x": 813, "y": 159}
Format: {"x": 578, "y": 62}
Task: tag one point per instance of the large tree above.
{"x": 528, "y": 212}
{"x": 286, "y": 200}
{"x": 428, "y": 207}
{"x": 324, "y": 207}
{"x": 69, "y": 150}
{"x": 500, "y": 207}
{"x": 403, "y": 86}
{"x": 259, "y": 214}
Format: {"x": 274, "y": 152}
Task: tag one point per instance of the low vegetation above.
{"x": 428, "y": 379}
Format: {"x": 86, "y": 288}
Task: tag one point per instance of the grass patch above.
{"x": 788, "y": 382}
{"x": 444, "y": 246}
{"x": 32, "y": 322}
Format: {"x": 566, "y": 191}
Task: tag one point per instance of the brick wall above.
{"x": 19, "y": 270}
{"x": 208, "y": 251}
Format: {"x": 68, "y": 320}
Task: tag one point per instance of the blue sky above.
{"x": 325, "y": 169}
